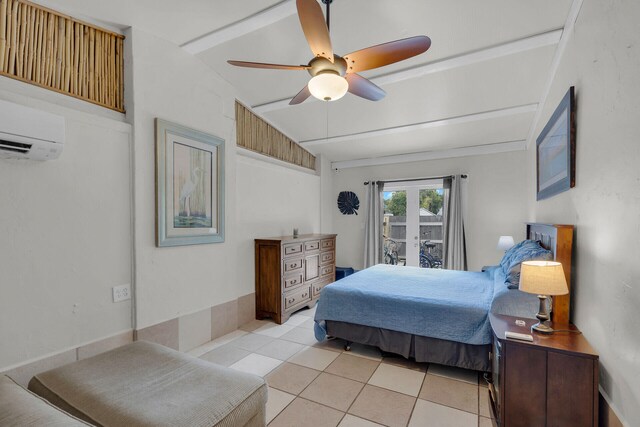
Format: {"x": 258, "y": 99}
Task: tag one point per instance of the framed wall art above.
{"x": 189, "y": 186}
{"x": 556, "y": 150}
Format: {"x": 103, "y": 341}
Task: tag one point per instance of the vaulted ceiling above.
{"x": 478, "y": 85}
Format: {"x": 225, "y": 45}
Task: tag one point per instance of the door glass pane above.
{"x": 413, "y": 226}
{"x": 431, "y": 227}
{"x": 394, "y": 227}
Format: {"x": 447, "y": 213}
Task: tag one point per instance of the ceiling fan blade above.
{"x": 270, "y": 66}
{"x": 314, "y": 28}
{"x": 364, "y": 88}
{"x": 301, "y": 96}
{"x": 386, "y": 53}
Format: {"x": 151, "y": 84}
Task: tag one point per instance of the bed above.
{"x": 439, "y": 316}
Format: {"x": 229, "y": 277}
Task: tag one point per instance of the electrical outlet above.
{"x": 121, "y": 293}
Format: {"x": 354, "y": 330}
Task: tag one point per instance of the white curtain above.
{"x": 373, "y": 224}
{"x": 455, "y": 256}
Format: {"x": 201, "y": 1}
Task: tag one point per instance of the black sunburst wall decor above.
{"x": 348, "y": 203}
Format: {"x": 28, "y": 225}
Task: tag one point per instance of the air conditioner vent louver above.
{"x": 16, "y": 147}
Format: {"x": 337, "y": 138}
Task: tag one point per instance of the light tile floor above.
{"x": 320, "y": 384}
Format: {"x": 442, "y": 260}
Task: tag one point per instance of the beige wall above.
{"x": 602, "y": 60}
{"x": 496, "y": 203}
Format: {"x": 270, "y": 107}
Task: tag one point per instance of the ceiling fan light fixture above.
{"x": 328, "y": 86}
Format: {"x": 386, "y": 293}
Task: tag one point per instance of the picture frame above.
{"x": 189, "y": 186}
{"x": 556, "y": 150}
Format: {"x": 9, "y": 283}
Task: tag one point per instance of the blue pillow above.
{"x": 530, "y": 250}
{"x": 506, "y": 259}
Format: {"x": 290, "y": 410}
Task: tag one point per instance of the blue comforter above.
{"x": 444, "y": 304}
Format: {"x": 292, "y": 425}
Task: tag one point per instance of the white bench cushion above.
{"x": 145, "y": 384}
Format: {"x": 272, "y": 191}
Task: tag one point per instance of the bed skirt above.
{"x": 422, "y": 349}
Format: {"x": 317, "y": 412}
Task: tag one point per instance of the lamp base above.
{"x": 543, "y": 316}
{"x": 542, "y": 328}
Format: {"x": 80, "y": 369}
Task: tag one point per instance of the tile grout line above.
{"x": 299, "y": 395}
{"x": 354, "y": 401}
{"x": 379, "y": 362}
{"x": 424, "y": 380}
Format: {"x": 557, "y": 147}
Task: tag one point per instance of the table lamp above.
{"x": 505, "y": 243}
{"x": 543, "y": 278}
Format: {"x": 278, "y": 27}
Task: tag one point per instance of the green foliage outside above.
{"x": 397, "y": 203}
{"x": 431, "y": 200}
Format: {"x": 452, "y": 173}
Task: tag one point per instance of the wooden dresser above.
{"x": 290, "y": 273}
{"x": 552, "y": 381}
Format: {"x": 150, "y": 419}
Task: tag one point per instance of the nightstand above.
{"x": 552, "y": 381}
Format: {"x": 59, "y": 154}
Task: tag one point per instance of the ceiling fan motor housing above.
{"x": 321, "y": 65}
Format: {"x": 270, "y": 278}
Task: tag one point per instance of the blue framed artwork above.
{"x": 556, "y": 150}
{"x": 189, "y": 186}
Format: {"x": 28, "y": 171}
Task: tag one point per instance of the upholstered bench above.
{"x": 19, "y": 407}
{"x": 145, "y": 384}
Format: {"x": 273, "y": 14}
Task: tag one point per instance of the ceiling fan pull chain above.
{"x": 327, "y": 121}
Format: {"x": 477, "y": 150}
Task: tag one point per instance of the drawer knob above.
{"x": 292, "y": 266}
{"x": 291, "y": 300}
{"x": 304, "y": 295}
{"x": 294, "y": 281}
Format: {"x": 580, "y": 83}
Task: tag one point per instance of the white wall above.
{"x": 271, "y": 201}
{"x": 68, "y": 226}
{"x": 602, "y": 60}
{"x": 327, "y": 199}
{"x": 262, "y": 199}
{"x": 66, "y": 233}
{"x": 173, "y": 85}
{"x": 496, "y": 202}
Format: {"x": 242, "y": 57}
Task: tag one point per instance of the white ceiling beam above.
{"x": 259, "y": 20}
{"x": 504, "y": 112}
{"x": 501, "y": 147}
{"x": 505, "y": 49}
{"x": 487, "y": 54}
{"x": 574, "y": 11}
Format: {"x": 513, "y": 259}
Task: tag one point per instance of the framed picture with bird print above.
{"x": 189, "y": 186}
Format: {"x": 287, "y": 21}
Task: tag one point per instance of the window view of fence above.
{"x": 430, "y": 228}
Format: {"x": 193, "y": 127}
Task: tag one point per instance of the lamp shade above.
{"x": 328, "y": 86}
{"x": 505, "y": 243}
{"x": 543, "y": 278}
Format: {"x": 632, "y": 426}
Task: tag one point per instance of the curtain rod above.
{"x": 417, "y": 179}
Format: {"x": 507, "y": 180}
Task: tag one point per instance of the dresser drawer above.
{"x": 316, "y": 287}
{"x": 292, "y": 264}
{"x": 327, "y": 269}
{"x": 292, "y": 249}
{"x": 327, "y": 257}
{"x": 292, "y": 281}
{"x": 312, "y": 245}
{"x": 327, "y": 244}
{"x": 296, "y": 297}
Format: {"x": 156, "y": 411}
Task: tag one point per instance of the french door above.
{"x": 412, "y": 224}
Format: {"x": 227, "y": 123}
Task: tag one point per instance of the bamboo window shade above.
{"x": 255, "y": 134}
{"x": 47, "y": 49}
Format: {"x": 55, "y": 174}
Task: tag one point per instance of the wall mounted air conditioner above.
{"x": 26, "y": 133}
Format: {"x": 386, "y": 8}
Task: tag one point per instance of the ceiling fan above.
{"x": 334, "y": 75}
